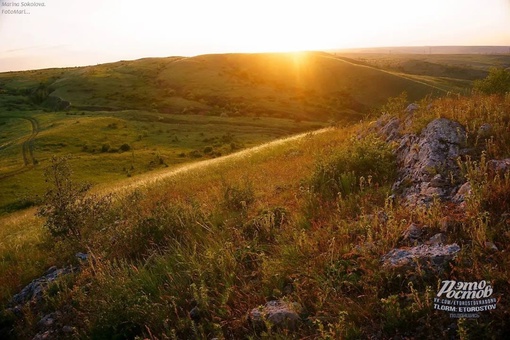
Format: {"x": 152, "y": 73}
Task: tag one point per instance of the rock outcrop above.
{"x": 276, "y": 314}
{"x": 427, "y": 164}
{"x": 51, "y": 325}
{"x": 33, "y": 292}
{"x": 427, "y": 170}
{"x": 433, "y": 257}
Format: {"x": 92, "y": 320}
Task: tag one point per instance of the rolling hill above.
{"x": 126, "y": 118}
{"x": 313, "y": 86}
{"x": 454, "y": 72}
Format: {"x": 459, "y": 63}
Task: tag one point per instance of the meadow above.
{"x": 109, "y": 146}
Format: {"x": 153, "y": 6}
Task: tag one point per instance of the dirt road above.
{"x": 27, "y": 149}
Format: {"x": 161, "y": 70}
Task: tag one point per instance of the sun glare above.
{"x": 111, "y": 30}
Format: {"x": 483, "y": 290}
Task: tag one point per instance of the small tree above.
{"x": 497, "y": 82}
{"x": 67, "y": 207}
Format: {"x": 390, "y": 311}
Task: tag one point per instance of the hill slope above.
{"x": 168, "y": 111}
{"x": 303, "y": 85}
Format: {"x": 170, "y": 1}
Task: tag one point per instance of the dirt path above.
{"x": 397, "y": 74}
{"x": 27, "y": 149}
{"x": 126, "y": 186}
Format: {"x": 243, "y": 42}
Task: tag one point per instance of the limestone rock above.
{"x": 35, "y": 289}
{"x": 82, "y": 256}
{"x": 485, "y": 131}
{"x": 68, "y": 329}
{"x": 391, "y": 130}
{"x": 491, "y": 246}
{"x": 426, "y": 163}
{"x": 412, "y": 107}
{"x": 44, "y": 336}
{"x": 429, "y": 256}
{"x": 48, "y": 320}
{"x": 277, "y": 313}
{"x": 462, "y": 193}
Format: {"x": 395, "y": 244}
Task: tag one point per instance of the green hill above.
{"x": 126, "y": 118}
{"x": 315, "y": 86}
{"x": 454, "y": 72}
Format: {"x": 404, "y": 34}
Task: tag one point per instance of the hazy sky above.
{"x": 83, "y": 32}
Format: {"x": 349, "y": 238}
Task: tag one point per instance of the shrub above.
{"x": 139, "y": 231}
{"x": 125, "y": 147}
{"x": 66, "y": 207}
{"x": 105, "y": 147}
{"x": 363, "y": 162}
{"x": 497, "y": 82}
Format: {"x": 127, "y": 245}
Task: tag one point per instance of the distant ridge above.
{"x": 429, "y": 50}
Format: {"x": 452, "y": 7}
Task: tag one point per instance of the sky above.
{"x": 64, "y": 33}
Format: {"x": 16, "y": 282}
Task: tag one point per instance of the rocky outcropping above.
{"x": 434, "y": 257}
{"x": 276, "y": 314}
{"x": 427, "y": 164}
{"x": 51, "y": 325}
{"x": 427, "y": 170}
{"x": 33, "y": 292}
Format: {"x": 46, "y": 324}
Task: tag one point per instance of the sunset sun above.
{"x": 77, "y": 33}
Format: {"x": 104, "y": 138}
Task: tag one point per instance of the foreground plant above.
{"x": 67, "y": 207}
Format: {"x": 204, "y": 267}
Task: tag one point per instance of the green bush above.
{"x": 125, "y": 147}
{"x": 195, "y": 154}
{"x": 363, "y": 162}
{"x": 66, "y": 206}
{"x": 497, "y": 82}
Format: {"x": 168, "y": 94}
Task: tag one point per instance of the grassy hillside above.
{"x": 109, "y": 146}
{"x": 228, "y": 236}
{"x": 305, "y": 86}
{"x": 453, "y": 71}
{"x": 126, "y": 118}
